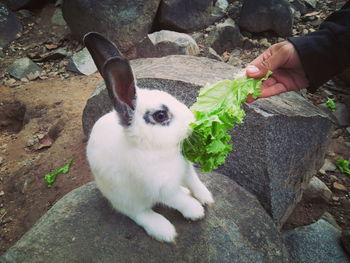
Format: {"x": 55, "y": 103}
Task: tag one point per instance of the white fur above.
{"x": 141, "y": 165}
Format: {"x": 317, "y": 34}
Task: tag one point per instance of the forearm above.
{"x": 326, "y": 52}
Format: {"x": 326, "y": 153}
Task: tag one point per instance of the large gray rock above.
{"x": 277, "y": 149}
{"x": 173, "y": 43}
{"x": 126, "y": 23}
{"x": 82, "y": 227}
{"x": 188, "y": 15}
{"x": 225, "y": 36}
{"x": 18, "y": 4}
{"x": 345, "y": 240}
{"x": 24, "y": 68}
{"x": 82, "y": 62}
{"x": 316, "y": 243}
{"x": 10, "y": 26}
{"x": 264, "y": 15}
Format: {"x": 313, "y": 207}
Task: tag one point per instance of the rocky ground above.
{"x": 40, "y": 121}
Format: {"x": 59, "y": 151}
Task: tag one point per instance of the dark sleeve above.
{"x": 326, "y": 52}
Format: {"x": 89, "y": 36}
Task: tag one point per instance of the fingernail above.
{"x": 252, "y": 69}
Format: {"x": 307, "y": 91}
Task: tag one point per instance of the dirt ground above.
{"x": 43, "y": 131}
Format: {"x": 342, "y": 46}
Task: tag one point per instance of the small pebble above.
{"x": 340, "y": 187}
{"x": 30, "y": 142}
{"x": 335, "y": 198}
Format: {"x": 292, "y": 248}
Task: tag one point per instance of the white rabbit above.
{"x": 135, "y": 151}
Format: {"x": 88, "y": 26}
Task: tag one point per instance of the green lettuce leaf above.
{"x": 217, "y": 109}
{"x": 51, "y": 177}
{"x": 343, "y": 165}
{"x": 331, "y": 104}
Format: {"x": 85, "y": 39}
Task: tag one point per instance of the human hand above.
{"x": 288, "y": 74}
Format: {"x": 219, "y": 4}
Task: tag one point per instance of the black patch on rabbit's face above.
{"x": 160, "y": 116}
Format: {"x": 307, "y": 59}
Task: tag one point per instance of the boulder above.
{"x": 173, "y": 43}
{"x": 188, "y": 15}
{"x": 82, "y": 62}
{"x": 82, "y": 227}
{"x": 277, "y": 149}
{"x": 19, "y": 4}
{"x": 225, "y": 36}
{"x": 24, "y": 68}
{"x": 316, "y": 243}
{"x": 317, "y": 191}
{"x": 10, "y": 26}
{"x": 345, "y": 240}
{"x": 126, "y": 23}
{"x": 264, "y": 15}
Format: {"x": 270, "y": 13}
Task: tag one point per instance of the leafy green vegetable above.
{"x": 343, "y": 165}
{"x": 331, "y": 104}
{"x": 51, "y": 178}
{"x": 217, "y": 109}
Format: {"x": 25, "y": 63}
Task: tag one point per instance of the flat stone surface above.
{"x": 316, "y": 243}
{"x": 82, "y": 227}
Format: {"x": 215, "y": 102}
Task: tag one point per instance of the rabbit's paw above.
{"x": 204, "y": 196}
{"x": 156, "y": 226}
{"x": 162, "y": 230}
{"x": 193, "y": 210}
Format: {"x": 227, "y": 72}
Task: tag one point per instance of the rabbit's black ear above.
{"x": 121, "y": 86}
{"x": 101, "y": 49}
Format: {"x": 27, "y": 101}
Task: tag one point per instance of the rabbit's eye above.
{"x": 160, "y": 116}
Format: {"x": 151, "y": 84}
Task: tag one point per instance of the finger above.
{"x": 250, "y": 99}
{"x": 273, "y": 90}
{"x": 269, "y": 82}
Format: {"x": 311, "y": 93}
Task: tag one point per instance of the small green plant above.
{"x": 331, "y": 104}
{"x": 217, "y": 109}
{"x": 343, "y": 165}
{"x": 51, "y": 177}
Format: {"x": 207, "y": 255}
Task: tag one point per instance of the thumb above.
{"x": 256, "y": 71}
